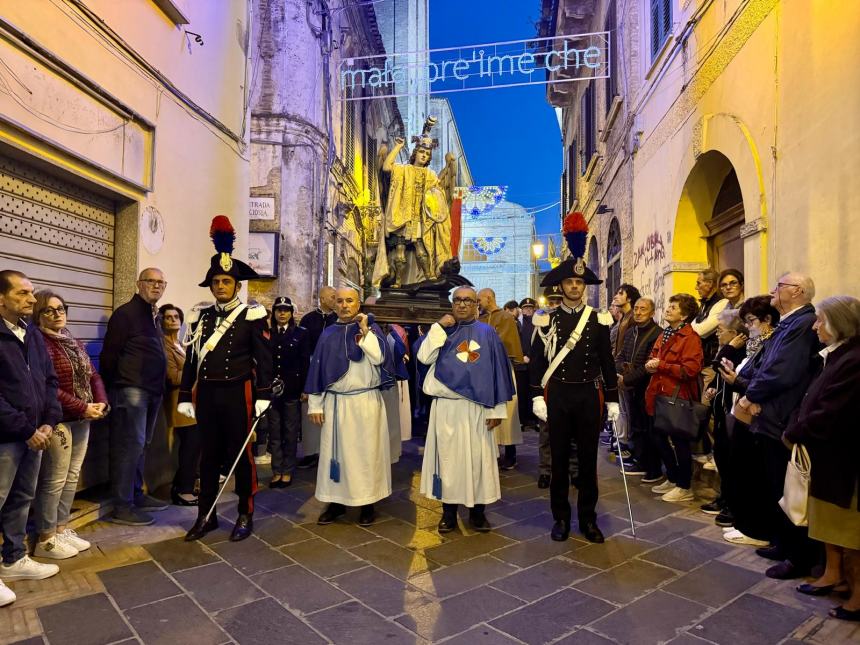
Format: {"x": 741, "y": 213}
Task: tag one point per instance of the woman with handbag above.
{"x": 83, "y": 399}
{"x": 827, "y": 426}
{"x": 675, "y": 364}
{"x": 746, "y": 497}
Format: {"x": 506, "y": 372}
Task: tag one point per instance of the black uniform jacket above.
{"x": 590, "y": 360}
{"x": 242, "y": 353}
{"x": 291, "y": 357}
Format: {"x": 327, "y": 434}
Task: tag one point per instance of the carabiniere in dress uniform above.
{"x": 227, "y": 376}
{"x": 572, "y": 375}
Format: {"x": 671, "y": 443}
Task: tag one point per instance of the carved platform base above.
{"x": 410, "y": 305}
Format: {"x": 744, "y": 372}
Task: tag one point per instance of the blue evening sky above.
{"x": 510, "y": 135}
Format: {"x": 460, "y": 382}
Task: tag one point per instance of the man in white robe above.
{"x": 350, "y": 365}
{"x": 470, "y": 381}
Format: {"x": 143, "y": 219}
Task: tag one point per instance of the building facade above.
{"x": 496, "y": 250}
{"x": 450, "y": 143}
{"x": 733, "y": 139}
{"x": 121, "y": 137}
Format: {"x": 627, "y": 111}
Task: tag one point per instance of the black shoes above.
{"x": 507, "y": 463}
{"x": 771, "y": 553}
{"x": 330, "y": 514}
{"x": 560, "y": 530}
{"x": 591, "y": 532}
{"x": 478, "y": 522}
{"x": 243, "y": 528}
{"x": 308, "y": 462}
{"x": 201, "y": 527}
{"x": 447, "y": 524}
{"x": 282, "y": 481}
{"x": 713, "y": 508}
{"x": 543, "y": 481}
{"x": 367, "y": 515}
{"x": 179, "y": 500}
{"x": 786, "y": 571}
{"x": 725, "y": 518}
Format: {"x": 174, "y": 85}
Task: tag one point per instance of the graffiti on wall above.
{"x": 650, "y": 251}
{"x": 649, "y": 262}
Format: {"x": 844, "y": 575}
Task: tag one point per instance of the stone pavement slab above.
{"x": 177, "y": 554}
{"x": 175, "y": 620}
{"x": 554, "y": 616}
{"x": 626, "y": 582}
{"x": 217, "y": 586}
{"x": 399, "y": 562}
{"x": 265, "y": 622}
{"x": 742, "y": 621}
{"x": 543, "y": 579}
{"x": 321, "y": 557}
{"x": 299, "y": 589}
{"x": 456, "y": 614}
{"x": 91, "y": 620}
{"x": 462, "y": 576}
{"x": 654, "y": 618}
{"x": 382, "y": 592}
{"x": 355, "y": 624}
{"x": 713, "y": 584}
{"x": 251, "y": 556}
{"x": 688, "y": 553}
{"x": 138, "y": 584}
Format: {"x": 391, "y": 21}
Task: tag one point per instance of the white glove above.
{"x": 186, "y": 409}
{"x": 261, "y": 406}
{"x": 613, "y": 411}
{"x": 539, "y": 408}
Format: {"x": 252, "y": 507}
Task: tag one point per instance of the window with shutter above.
{"x": 571, "y": 175}
{"x": 564, "y": 196}
{"x": 612, "y": 80}
{"x": 661, "y": 24}
{"x": 349, "y": 135}
{"x": 613, "y": 259}
{"x": 589, "y": 136}
{"x": 372, "y": 170}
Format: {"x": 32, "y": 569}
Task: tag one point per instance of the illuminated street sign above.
{"x": 535, "y": 61}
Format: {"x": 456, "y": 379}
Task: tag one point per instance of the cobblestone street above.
{"x": 401, "y": 582}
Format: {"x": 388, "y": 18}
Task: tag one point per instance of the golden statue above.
{"x": 416, "y": 226}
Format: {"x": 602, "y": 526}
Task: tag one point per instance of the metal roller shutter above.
{"x": 62, "y": 237}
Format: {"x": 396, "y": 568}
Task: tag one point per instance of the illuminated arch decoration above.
{"x": 480, "y": 200}
{"x": 489, "y": 245}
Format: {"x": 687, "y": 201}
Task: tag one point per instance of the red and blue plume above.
{"x": 575, "y": 230}
{"x": 223, "y": 234}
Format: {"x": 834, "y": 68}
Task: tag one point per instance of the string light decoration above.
{"x": 489, "y": 245}
{"x": 480, "y": 200}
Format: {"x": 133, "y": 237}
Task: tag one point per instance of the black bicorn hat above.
{"x": 575, "y": 230}
{"x": 282, "y": 302}
{"x": 552, "y": 291}
{"x": 528, "y": 302}
{"x": 223, "y": 263}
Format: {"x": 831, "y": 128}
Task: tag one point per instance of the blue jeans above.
{"x": 58, "y": 477}
{"x": 19, "y": 472}
{"x": 134, "y": 412}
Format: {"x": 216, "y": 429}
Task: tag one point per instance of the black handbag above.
{"x": 679, "y": 417}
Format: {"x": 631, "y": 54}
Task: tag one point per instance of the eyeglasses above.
{"x": 465, "y": 301}
{"x": 51, "y": 311}
{"x": 154, "y": 283}
{"x": 733, "y": 283}
{"x": 749, "y": 320}
{"x": 780, "y": 285}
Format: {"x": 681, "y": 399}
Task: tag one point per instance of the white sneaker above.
{"x": 702, "y": 458}
{"x": 662, "y": 489}
{"x": 7, "y": 596}
{"x": 27, "y": 569}
{"x": 73, "y": 539}
{"x": 678, "y": 494}
{"x": 55, "y": 548}
{"x": 710, "y": 465}
{"x": 263, "y": 460}
{"x": 736, "y": 537}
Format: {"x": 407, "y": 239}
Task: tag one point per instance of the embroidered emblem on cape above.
{"x": 467, "y": 351}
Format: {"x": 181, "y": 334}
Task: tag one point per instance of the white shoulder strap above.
{"x": 575, "y": 335}
{"x": 218, "y": 334}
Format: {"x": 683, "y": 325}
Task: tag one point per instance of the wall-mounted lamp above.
{"x": 604, "y": 209}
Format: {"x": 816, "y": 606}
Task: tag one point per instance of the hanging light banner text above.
{"x": 536, "y": 61}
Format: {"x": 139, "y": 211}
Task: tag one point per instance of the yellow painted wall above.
{"x": 778, "y": 98}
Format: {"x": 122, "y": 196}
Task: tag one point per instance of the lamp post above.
{"x": 537, "y": 249}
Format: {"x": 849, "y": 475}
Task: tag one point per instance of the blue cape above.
{"x": 398, "y": 349}
{"x": 338, "y": 346}
{"x": 484, "y": 377}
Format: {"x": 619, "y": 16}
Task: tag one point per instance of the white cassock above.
{"x": 458, "y": 431}
{"x": 362, "y": 432}
{"x": 391, "y": 398}
{"x": 405, "y": 411}
{"x": 509, "y": 432}
{"x": 310, "y": 434}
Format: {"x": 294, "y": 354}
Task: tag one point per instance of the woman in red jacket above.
{"x": 676, "y": 362}
{"x": 82, "y": 396}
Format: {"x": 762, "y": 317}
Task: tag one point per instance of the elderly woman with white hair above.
{"x": 827, "y": 426}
